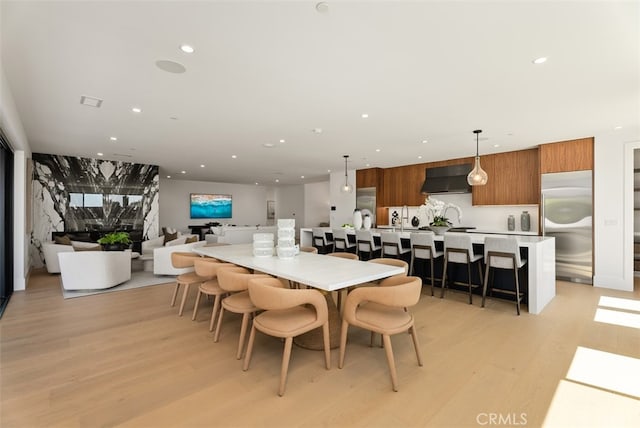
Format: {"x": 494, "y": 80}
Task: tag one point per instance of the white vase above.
{"x": 366, "y": 222}
{"x": 357, "y": 220}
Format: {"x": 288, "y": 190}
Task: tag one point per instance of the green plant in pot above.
{"x": 115, "y": 241}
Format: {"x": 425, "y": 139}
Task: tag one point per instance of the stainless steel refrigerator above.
{"x": 567, "y": 215}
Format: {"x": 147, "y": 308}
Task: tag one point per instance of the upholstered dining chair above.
{"x": 366, "y": 244}
{"x": 341, "y": 241}
{"x": 181, "y": 260}
{"x": 206, "y": 268}
{"x": 392, "y": 245}
{"x": 342, "y": 255}
{"x": 383, "y": 310}
{"x": 503, "y": 253}
{"x": 313, "y": 250}
{"x": 236, "y": 281}
{"x": 287, "y": 314}
{"x": 423, "y": 247}
{"x": 392, "y": 262}
{"x": 459, "y": 249}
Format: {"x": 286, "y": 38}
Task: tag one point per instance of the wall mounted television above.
{"x": 204, "y": 205}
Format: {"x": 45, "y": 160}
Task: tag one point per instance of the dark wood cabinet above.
{"x": 564, "y": 156}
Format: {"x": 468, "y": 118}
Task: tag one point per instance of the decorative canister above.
{"x": 525, "y": 221}
{"x": 366, "y": 222}
{"x": 357, "y": 219}
{"x": 511, "y": 223}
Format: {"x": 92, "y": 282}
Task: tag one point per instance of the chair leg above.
{"x": 444, "y": 278}
{"x": 414, "y": 336}
{"x": 247, "y": 357}
{"x": 175, "y": 294}
{"x": 484, "y": 287}
{"x": 195, "y": 306}
{"x": 480, "y": 273}
{"x": 286, "y": 356}
{"x": 515, "y": 271}
{"x": 327, "y": 345}
{"x": 411, "y": 263}
{"x": 184, "y": 299}
{"x": 432, "y": 277}
{"x": 243, "y": 332}
{"x": 214, "y": 312}
{"x": 343, "y": 342}
{"x": 469, "y": 283}
{"x": 216, "y": 336}
{"x": 392, "y": 364}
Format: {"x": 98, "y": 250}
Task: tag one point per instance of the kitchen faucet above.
{"x": 402, "y": 217}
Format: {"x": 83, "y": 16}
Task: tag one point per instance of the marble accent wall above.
{"x": 82, "y": 194}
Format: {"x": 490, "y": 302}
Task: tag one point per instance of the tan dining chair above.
{"x": 341, "y": 241}
{"x": 383, "y": 310}
{"x": 423, "y": 247}
{"x": 312, "y": 250}
{"x": 236, "y": 282}
{"x": 503, "y": 253}
{"x": 459, "y": 249}
{"x": 392, "y": 245}
{"x": 206, "y": 268}
{"x": 180, "y": 260}
{"x": 287, "y": 314}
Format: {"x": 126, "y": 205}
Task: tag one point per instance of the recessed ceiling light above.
{"x": 365, "y": 115}
{"x": 377, "y": 150}
{"x": 268, "y": 145}
{"x": 282, "y": 141}
{"x": 86, "y": 100}
{"x": 183, "y": 172}
{"x": 419, "y": 157}
{"x": 136, "y": 109}
{"x": 328, "y": 170}
{"x": 187, "y": 48}
{"x": 277, "y": 180}
{"x": 540, "y": 60}
{"x": 201, "y": 166}
{"x": 368, "y": 165}
{"x": 256, "y": 183}
{"x": 233, "y": 156}
{"x": 496, "y": 145}
{"x": 617, "y": 127}
{"x": 113, "y": 138}
{"x": 302, "y": 176}
{"x": 168, "y": 176}
{"x": 424, "y": 141}
{"x": 100, "y": 154}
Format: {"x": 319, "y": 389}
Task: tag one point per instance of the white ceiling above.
{"x": 264, "y": 71}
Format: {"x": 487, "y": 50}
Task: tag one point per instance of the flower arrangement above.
{"x": 434, "y": 212}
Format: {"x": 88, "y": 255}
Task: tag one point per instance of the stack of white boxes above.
{"x": 287, "y": 248}
{"x": 263, "y": 244}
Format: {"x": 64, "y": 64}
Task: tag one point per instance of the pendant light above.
{"x": 346, "y": 188}
{"x": 477, "y": 176}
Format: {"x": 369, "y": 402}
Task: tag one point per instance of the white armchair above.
{"x": 151, "y": 244}
{"x": 162, "y": 258}
{"x": 94, "y": 270}
{"x": 50, "y": 251}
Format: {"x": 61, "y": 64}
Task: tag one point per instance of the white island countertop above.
{"x": 541, "y": 259}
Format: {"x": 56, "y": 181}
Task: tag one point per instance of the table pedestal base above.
{"x": 313, "y": 339}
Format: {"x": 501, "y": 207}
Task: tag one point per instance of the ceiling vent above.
{"x": 86, "y": 100}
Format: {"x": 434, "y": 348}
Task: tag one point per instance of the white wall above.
{"x": 613, "y": 208}
{"x": 345, "y": 203}
{"x": 290, "y": 204}
{"x": 317, "y": 203}
{"x": 249, "y": 203}
{"x": 13, "y": 130}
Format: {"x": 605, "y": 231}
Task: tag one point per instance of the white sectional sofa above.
{"x": 162, "y": 258}
{"x": 94, "y": 270}
{"x": 150, "y": 245}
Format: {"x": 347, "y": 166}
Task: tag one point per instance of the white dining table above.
{"x": 316, "y": 270}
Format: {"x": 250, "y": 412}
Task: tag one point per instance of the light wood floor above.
{"x": 126, "y": 359}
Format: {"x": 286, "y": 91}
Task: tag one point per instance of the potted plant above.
{"x": 115, "y": 241}
{"x": 436, "y": 210}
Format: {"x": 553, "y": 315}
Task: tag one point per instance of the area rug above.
{"x": 138, "y": 279}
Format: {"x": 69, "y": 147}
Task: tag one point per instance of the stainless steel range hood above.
{"x": 447, "y": 179}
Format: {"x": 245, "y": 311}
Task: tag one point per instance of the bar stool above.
{"x": 341, "y": 241}
{"x": 320, "y": 240}
{"x": 423, "y": 247}
{"x": 459, "y": 249}
{"x": 392, "y": 245}
{"x": 503, "y": 253}
{"x": 365, "y": 242}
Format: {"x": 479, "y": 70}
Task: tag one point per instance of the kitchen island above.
{"x": 541, "y": 260}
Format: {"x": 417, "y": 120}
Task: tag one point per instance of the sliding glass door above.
{"x": 6, "y": 222}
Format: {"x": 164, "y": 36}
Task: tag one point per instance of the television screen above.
{"x": 210, "y": 206}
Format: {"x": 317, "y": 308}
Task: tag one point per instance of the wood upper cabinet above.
{"x": 572, "y": 155}
{"x": 513, "y": 179}
{"x": 370, "y": 177}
